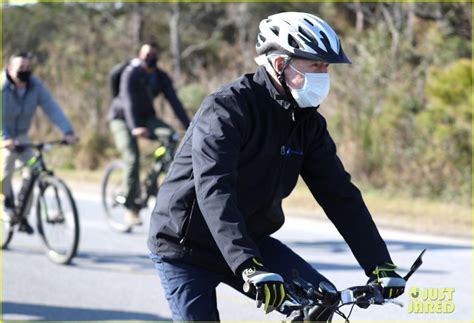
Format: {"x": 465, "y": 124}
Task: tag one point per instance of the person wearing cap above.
{"x": 241, "y": 156}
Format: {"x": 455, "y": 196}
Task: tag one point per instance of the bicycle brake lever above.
{"x": 418, "y": 262}
{"x": 394, "y": 302}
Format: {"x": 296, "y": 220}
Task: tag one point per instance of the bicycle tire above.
{"x": 56, "y": 210}
{"x": 114, "y": 210}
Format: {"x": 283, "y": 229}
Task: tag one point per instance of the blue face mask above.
{"x": 315, "y": 89}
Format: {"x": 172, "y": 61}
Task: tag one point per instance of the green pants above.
{"x": 127, "y": 144}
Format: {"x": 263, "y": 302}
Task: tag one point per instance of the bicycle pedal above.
{"x": 25, "y": 227}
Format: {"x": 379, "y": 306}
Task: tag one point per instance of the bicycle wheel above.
{"x": 113, "y": 198}
{"x": 58, "y": 222}
{"x": 7, "y": 233}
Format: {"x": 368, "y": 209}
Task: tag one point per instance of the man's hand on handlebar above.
{"x": 10, "y": 144}
{"x": 269, "y": 286}
{"x": 141, "y": 132}
{"x": 70, "y": 138}
{"x": 393, "y": 285}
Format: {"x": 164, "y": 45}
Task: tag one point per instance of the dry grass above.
{"x": 412, "y": 214}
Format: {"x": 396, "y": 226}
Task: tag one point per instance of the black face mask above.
{"x": 24, "y": 76}
{"x": 151, "y": 61}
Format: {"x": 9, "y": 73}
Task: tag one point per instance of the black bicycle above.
{"x": 113, "y": 197}
{"x": 305, "y": 303}
{"x": 56, "y": 212}
{"x": 308, "y": 303}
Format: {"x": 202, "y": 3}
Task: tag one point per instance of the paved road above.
{"x": 112, "y": 278}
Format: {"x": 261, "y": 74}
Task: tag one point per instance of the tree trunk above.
{"x": 137, "y": 23}
{"x": 242, "y": 23}
{"x": 411, "y": 22}
{"x": 175, "y": 41}
{"x": 359, "y": 17}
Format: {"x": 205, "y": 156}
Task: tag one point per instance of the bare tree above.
{"x": 241, "y": 18}
{"x": 137, "y": 24}
{"x": 359, "y": 16}
{"x": 175, "y": 40}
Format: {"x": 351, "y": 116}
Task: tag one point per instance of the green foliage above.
{"x": 192, "y": 95}
{"x": 444, "y": 126}
{"x": 94, "y": 150}
{"x": 400, "y": 114}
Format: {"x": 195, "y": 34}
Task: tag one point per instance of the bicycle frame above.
{"x": 38, "y": 169}
{"x": 162, "y": 158}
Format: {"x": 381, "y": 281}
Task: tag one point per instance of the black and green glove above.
{"x": 392, "y": 284}
{"x": 268, "y": 286}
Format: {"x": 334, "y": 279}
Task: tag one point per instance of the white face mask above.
{"x": 315, "y": 89}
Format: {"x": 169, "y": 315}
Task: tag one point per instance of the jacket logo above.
{"x": 291, "y": 151}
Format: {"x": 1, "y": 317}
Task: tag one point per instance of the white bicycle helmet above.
{"x": 301, "y": 35}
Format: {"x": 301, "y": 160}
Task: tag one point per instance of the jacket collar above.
{"x": 7, "y": 81}
{"x": 262, "y": 77}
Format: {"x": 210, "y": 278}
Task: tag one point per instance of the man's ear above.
{"x": 278, "y": 64}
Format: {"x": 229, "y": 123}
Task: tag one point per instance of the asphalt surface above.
{"x": 112, "y": 278}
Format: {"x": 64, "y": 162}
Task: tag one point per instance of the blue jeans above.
{"x": 191, "y": 290}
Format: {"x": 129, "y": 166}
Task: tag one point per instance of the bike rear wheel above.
{"x": 58, "y": 220}
{"x": 113, "y": 198}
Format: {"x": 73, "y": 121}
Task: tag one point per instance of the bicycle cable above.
{"x": 341, "y": 314}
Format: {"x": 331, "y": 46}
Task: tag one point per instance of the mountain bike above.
{"x": 305, "y": 303}
{"x": 56, "y": 212}
{"x": 113, "y": 197}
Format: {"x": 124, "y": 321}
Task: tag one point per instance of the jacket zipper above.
{"x": 22, "y": 101}
{"x": 283, "y": 158}
{"x": 187, "y": 223}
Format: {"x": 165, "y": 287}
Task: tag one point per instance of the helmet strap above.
{"x": 282, "y": 79}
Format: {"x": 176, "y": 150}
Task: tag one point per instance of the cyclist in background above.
{"x": 132, "y": 115}
{"x": 241, "y": 155}
{"x": 22, "y": 93}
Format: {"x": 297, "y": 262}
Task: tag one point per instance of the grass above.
{"x": 388, "y": 210}
{"x": 398, "y": 211}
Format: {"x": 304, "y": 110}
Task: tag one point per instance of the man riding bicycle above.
{"x": 22, "y": 93}
{"x": 132, "y": 115}
{"x": 241, "y": 155}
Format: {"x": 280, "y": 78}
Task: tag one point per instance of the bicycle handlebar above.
{"x": 302, "y": 295}
{"x": 40, "y": 146}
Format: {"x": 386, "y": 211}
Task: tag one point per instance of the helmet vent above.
{"x": 276, "y": 30}
{"x": 307, "y": 34}
{"x": 293, "y": 43}
{"x": 309, "y": 22}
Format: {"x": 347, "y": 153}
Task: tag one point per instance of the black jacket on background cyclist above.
{"x": 22, "y": 93}
{"x": 132, "y": 114}
{"x": 241, "y": 155}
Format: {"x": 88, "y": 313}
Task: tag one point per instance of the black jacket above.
{"x": 241, "y": 155}
{"x": 138, "y": 89}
